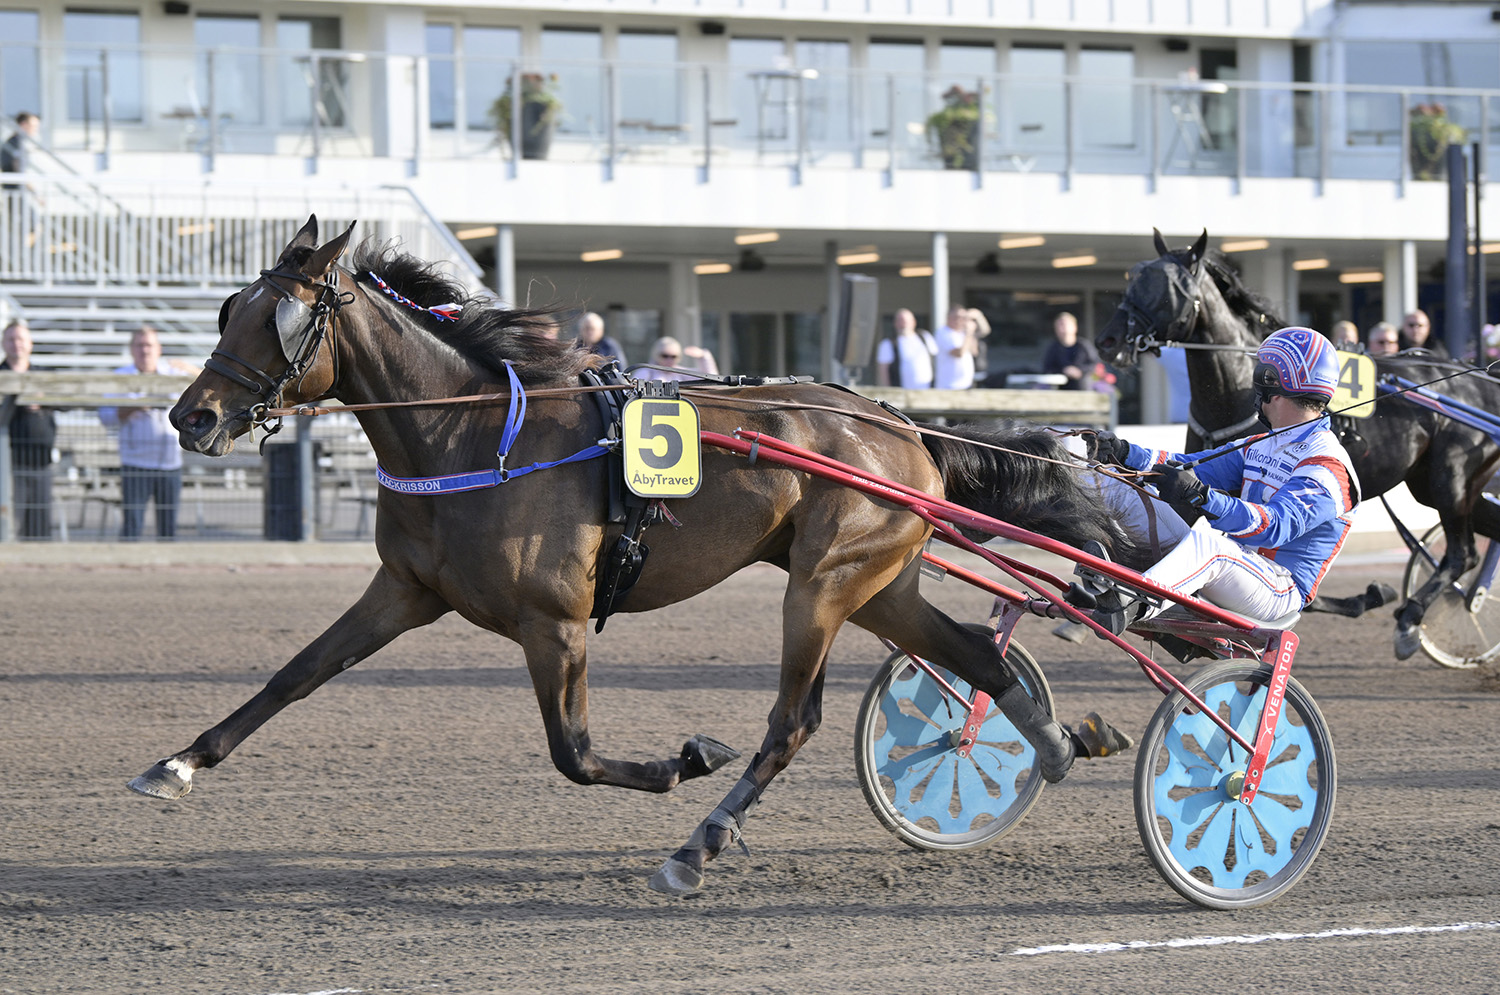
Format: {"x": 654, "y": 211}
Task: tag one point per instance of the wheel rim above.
{"x": 1212, "y": 847}
{"x": 1450, "y": 633}
{"x": 934, "y": 797}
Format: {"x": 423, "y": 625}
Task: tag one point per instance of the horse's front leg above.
{"x": 557, "y": 660}
{"x": 388, "y": 608}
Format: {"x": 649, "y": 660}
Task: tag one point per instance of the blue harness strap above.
{"x": 455, "y": 483}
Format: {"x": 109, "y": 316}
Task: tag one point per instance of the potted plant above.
{"x": 955, "y": 128}
{"x": 1431, "y": 133}
{"x": 540, "y": 109}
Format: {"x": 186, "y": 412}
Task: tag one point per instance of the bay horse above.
{"x": 1193, "y": 296}
{"x": 521, "y": 559}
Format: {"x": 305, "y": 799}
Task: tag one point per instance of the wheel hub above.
{"x": 1234, "y": 784}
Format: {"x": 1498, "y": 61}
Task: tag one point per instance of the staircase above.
{"x": 86, "y": 262}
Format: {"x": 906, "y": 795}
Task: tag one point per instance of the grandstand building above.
{"x": 709, "y": 168}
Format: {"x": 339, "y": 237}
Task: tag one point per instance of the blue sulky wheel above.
{"x": 1215, "y": 850}
{"x": 917, "y": 784}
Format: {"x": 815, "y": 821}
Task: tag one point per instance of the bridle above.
{"x": 301, "y": 330}
{"x": 1143, "y": 334}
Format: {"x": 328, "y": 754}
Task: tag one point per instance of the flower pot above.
{"x": 536, "y": 130}
{"x": 958, "y": 142}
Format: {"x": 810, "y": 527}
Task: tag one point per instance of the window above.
{"x": 441, "y": 76}
{"x": 760, "y": 98}
{"x": 573, "y": 56}
{"x": 1036, "y": 95}
{"x": 649, "y": 90}
{"x": 829, "y": 100}
{"x": 489, "y": 56}
{"x": 20, "y": 81}
{"x": 233, "y": 86}
{"x": 1374, "y": 118}
{"x": 1106, "y": 101}
{"x": 304, "y": 87}
{"x": 894, "y": 92}
{"x": 92, "y": 37}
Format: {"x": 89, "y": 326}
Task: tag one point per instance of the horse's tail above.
{"x": 1026, "y": 482}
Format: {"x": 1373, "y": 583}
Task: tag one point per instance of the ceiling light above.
{"x": 1361, "y": 276}
{"x": 1248, "y": 245}
{"x": 916, "y": 269}
{"x": 1489, "y": 247}
{"x": 198, "y": 229}
{"x": 757, "y": 237}
{"x": 1022, "y": 242}
{"x": 858, "y": 257}
{"x": 486, "y": 231}
{"x": 1067, "y": 262}
{"x": 601, "y": 255}
{"x": 710, "y": 269}
{"x": 1302, "y": 264}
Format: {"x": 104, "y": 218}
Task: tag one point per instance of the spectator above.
{"x": 150, "y": 458}
{"x": 694, "y": 361}
{"x": 1069, "y": 356}
{"x": 591, "y": 336}
{"x": 908, "y": 355}
{"x": 33, "y": 432}
{"x": 1383, "y": 339}
{"x": 15, "y": 154}
{"x": 1416, "y": 333}
{"x": 1345, "y": 336}
{"x": 958, "y": 345}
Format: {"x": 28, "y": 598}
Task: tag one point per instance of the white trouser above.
{"x": 1199, "y": 561}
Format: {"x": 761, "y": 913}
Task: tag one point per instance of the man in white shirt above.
{"x": 150, "y": 458}
{"x": 958, "y": 344}
{"x": 910, "y": 353}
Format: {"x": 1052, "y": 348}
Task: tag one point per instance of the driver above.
{"x": 1279, "y": 504}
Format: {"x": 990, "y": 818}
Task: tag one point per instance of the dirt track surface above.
{"x": 402, "y": 830}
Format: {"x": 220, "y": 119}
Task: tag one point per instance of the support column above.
{"x": 940, "y": 301}
{"x": 830, "y": 370}
{"x": 505, "y": 265}
{"x": 1400, "y": 284}
{"x": 684, "y": 321}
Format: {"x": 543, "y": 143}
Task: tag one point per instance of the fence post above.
{"x": 7, "y": 492}
{"x": 307, "y": 480}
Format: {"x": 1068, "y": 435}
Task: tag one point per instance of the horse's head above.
{"x": 275, "y": 346}
{"x": 1162, "y": 303}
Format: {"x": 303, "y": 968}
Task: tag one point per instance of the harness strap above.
{"x": 455, "y": 483}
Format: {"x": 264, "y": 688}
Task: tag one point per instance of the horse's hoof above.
{"x": 161, "y": 781}
{"x": 676, "y": 877}
{"x": 1073, "y": 632}
{"x": 1377, "y": 595}
{"x": 704, "y": 755}
{"x": 1408, "y": 641}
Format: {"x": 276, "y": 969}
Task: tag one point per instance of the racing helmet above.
{"x": 1298, "y": 363}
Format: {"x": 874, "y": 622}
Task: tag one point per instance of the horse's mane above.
{"x": 1258, "y": 311}
{"x": 485, "y": 332}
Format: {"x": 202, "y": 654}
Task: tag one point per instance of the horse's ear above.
{"x": 323, "y": 259}
{"x": 1200, "y": 246}
{"x": 306, "y": 238}
{"x": 1161, "y": 243}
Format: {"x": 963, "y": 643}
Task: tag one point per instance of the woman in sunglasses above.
{"x": 688, "y": 362}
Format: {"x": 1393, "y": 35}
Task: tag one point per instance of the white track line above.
{"x": 1218, "y": 941}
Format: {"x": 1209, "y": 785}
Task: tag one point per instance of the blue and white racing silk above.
{"x": 1297, "y": 493}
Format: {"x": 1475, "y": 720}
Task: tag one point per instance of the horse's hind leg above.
{"x": 387, "y": 609}
{"x": 1459, "y": 555}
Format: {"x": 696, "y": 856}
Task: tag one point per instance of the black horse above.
{"x": 1192, "y": 296}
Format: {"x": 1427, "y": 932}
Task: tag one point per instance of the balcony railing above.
{"x": 328, "y": 104}
{"x": 72, "y": 230}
